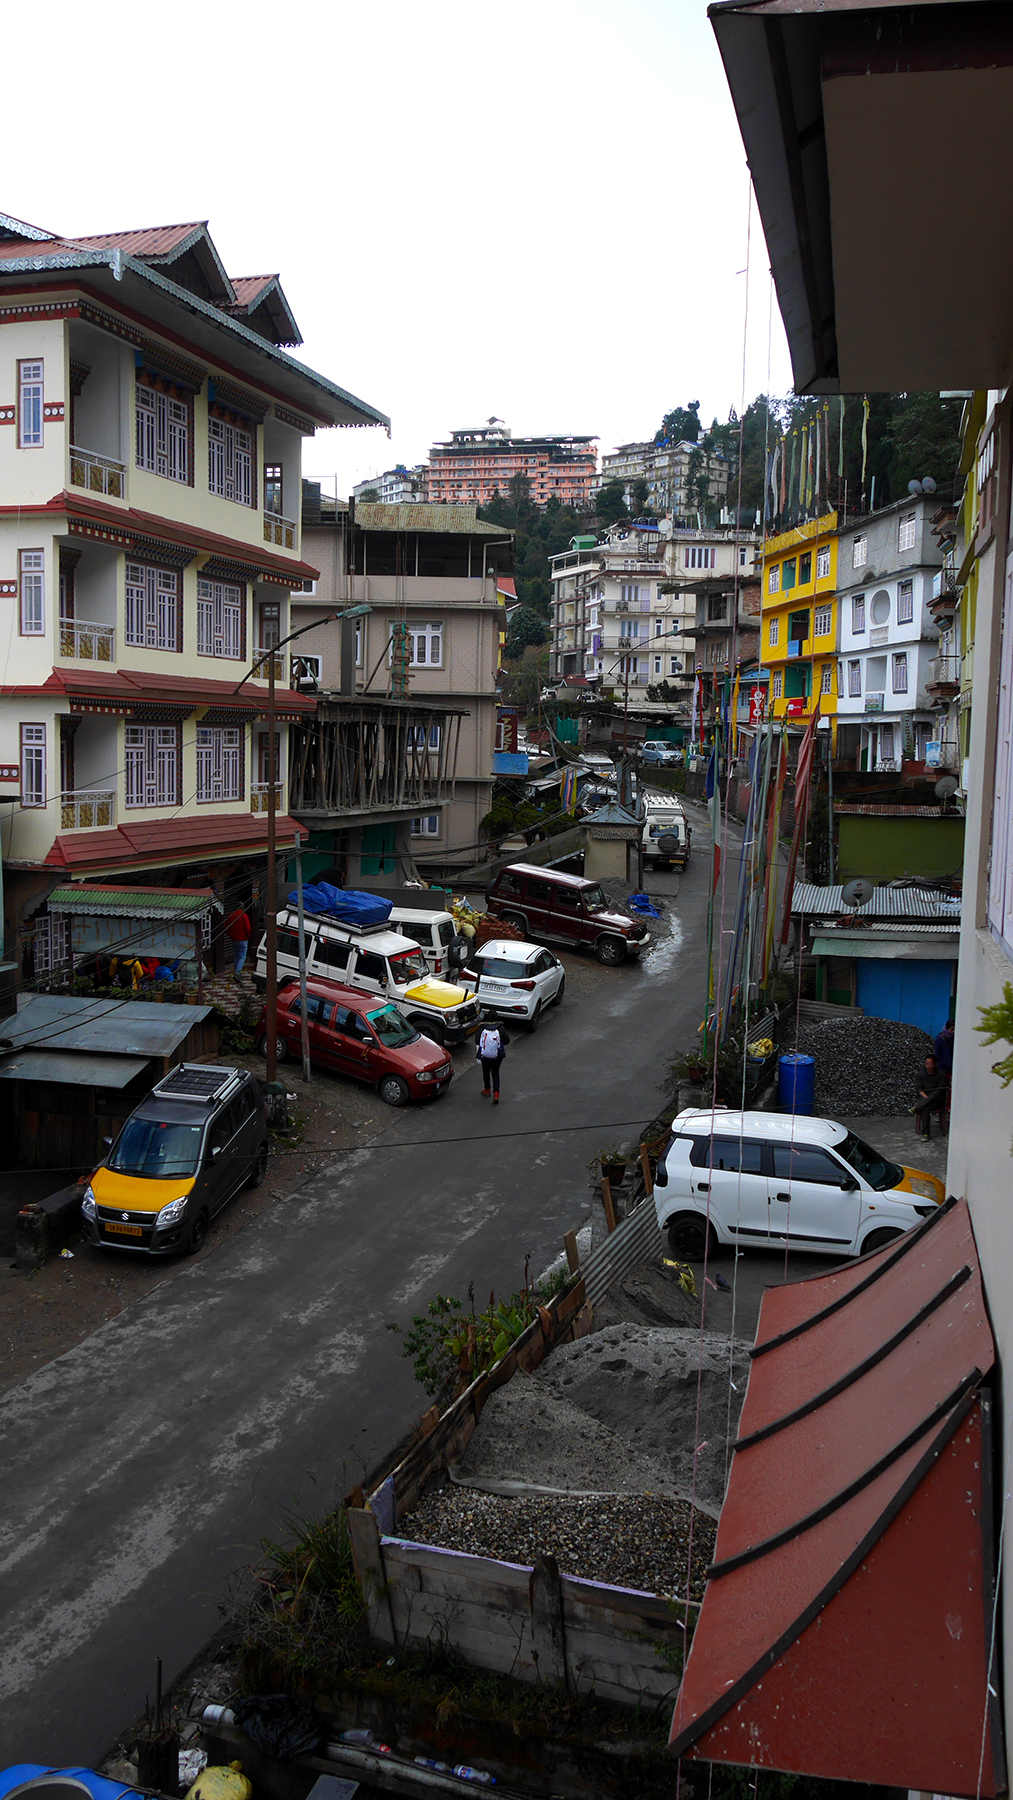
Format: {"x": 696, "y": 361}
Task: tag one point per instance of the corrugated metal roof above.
{"x": 134, "y": 903}
{"x": 870, "y": 809}
{"x": 126, "y": 1027}
{"x": 72, "y": 1070}
{"x": 886, "y": 903}
{"x": 149, "y": 240}
{"x": 376, "y": 515}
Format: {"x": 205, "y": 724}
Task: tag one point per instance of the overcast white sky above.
{"x": 534, "y": 210}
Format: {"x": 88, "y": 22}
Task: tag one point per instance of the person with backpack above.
{"x": 492, "y": 1043}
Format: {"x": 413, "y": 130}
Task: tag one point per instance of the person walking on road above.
{"x": 492, "y": 1043}
{"x": 237, "y": 929}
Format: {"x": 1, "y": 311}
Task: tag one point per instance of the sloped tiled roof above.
{"x": 151, "y": 843}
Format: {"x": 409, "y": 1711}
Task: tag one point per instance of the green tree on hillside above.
{"x": 526, "y": 627}
{"x": 610, "y": 505}
{"x": 641, "y": 497}
{"x": 680, "y": 425}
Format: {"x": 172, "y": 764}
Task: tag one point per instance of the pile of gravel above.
{"x": 863, "y": 1066}
{"x": 634, "y": 1542}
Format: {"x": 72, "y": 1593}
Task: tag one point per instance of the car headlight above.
{"x": 169, "y": 1214}
{"x": 426, "y": 1075}
{"x": 927, "y": 1189}
{"x": 88, "y": 1208}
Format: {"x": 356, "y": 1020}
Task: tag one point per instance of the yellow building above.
{"x": 798, "y": 638}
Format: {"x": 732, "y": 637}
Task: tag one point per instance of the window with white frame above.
{"x": 777, "y": 684}
{"x": 774, "y": 578}
{"x": 827, "y": 678}
{"x": 426, "y": 645}
{"x": 674, "y": 665}
{"x": 659, "y": 627}
{"x": 220, "y": 763}
{"x": 855, "y": 680}
{"x": 840, "y": 678}
{"x": 151, "y": 765}
{"x": 423, "y": 739}
{"x": 906, "y": 530}
{"x": 858, "y": 612}
{"x": 33, "y": 765}
{"x": 822, "y": 561}
{"x": 164, "y": 417}
{"x": 773, "y": 631}
{"x": 32, "y": 570}
{"x": 743, "y": 554}
{"x": 221, "y": 620}
{"x": 427, "y": 826}
{"x": 154, "y": 617}
{"x": 900, "y": 672}
{"x": 700, "y": 556}
{"x": 231, "y": 449}
{"x": 859, "y": 551}
{"x": 822, "y": 621}
{"x": 659, "y": 663}
{"x": 307, "y": 668}
{"x": 905, "y": 602}
{"x": 31, "y": 389}
{"x": 631, "y": 593}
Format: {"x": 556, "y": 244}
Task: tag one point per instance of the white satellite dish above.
{"x": 945, "y": 786}
{"x": 858, "y": 892}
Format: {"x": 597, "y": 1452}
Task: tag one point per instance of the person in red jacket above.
{"x": 237, "y": 929}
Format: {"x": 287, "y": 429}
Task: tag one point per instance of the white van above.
{"x": 436, "y": 933}
{"x": 666, "y": 834}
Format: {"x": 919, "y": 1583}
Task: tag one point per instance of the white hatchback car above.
{"x": 772, "y": 1180}
{"x": 515, "y": 981}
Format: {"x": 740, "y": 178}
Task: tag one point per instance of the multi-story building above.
{"x": 430, "y": 575}
{"x": 798, "y": 633}
{"x": 395, "y": 487}
{"x": 676, "y": 476}
{"x": 151, "y": 426}
{"x": 472, "y": 466}
{"x": 896, "y": 667}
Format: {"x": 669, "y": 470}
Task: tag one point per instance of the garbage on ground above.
{"x": 191, "y": 1764}
{"x": 68, "y": 1255}
{"x": 220, "y": 1783}
{"x": 278, "y": 1725}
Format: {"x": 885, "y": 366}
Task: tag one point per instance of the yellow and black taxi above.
{"x": 199, "y": 1137}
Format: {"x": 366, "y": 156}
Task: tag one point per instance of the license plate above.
{"x": 497, "y": 985}
{"x": 123, "y": 1230}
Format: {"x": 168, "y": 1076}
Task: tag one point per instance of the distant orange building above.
{"x": 474, "y": 465}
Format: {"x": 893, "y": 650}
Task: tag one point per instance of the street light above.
{"x": 271, "y": 922}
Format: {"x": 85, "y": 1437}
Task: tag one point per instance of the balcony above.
{"x": 944, "y": 591}
{"x": 99, "y": 474}
{"x": 85, "y": 810}
{"x": 944, "y": 676}
{"x": 87, "y": 641}
{"x": 260, "y": 795}
{"x": 949, "y": 753}
{"x": 280, "y": 531}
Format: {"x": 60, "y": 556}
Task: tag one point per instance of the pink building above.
{"x": 474, "y": 465}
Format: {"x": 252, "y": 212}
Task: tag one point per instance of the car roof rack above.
{"x": 326, "y": 918}
{"x": 196, "y": 1081}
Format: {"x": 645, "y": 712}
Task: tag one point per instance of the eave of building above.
{"x": 121, "y": 691}
{"x": 211, "y": 333}
{"x": 156, "y": 843}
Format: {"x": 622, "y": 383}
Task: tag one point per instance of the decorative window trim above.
{"x": 221, "y": 763}
{"x": 857, "y": 614}
{"x": 152, "y": 766}
{"x": 221, "y": 620}
{"x": 31, "y": 402}
{"x": 232, "y": 457}
{"x": 33, "y": 766}
{"x": 898, "y": 668}
{"x": 32, "y": 593}
{"x": 822, "y": 561}
{"x": 163, "y": 428}
{"x": 153, "y": 608}
{"x": 905, "y": 602}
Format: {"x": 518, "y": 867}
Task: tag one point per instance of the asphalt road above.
{"x": 146, "y": 1464}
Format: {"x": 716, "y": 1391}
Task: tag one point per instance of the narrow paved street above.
{"x": 146, "y": 1464}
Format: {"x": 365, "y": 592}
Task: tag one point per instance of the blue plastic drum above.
{"x": 796, "y": 1084}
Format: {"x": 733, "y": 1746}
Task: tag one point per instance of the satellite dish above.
{"x": 914, "y": 487}
{"x": 928, "y": 485}
{"x": 945, "y": 786}
{"x": 858, "y": 892}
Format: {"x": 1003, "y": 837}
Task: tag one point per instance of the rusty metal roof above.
{"x": 845, "y": 1628}
{"x": 374, "y": 515}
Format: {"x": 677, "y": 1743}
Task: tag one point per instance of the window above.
{"x": 859, "y": 551}
{"x": 33, "y": 765}
{"x": 798, "y": 627}
{"x": 219, "y": 763}
{"x": 801, "y": 1163}
{"x": 900, "y": 672}
{"x": 30, "y": 396}
{"x": 154, "y": 615}
{"x": 421, "y": 739}
{"x": 428, "y": 826}
{"x": 221, "y": 620}
{"x": 331, "y": 951}
{"x": 840, "y": 678}
{"x": 805, "y": 568}
{"x": 906, "y": 531}
{"x": 426, "y": 645}
{"x": 822, "y": 621}
{"x": 164, "y": 416}
{"x": 743, "y": 554}
{"x": 700, "y": 556}
{"x": 905, "y": 602}
{"x": 858, "y": 612}
{"x": 773, "y": 578}
{"x": 788, "y": 573}
{"x": 822, "y": 561}
{"x": 674, "y": 665}
{"x": 273, "y": 490}
{"x": 151, "y": 756}
{"x": 306, "y": 668}
{"x": 733, "y": 1155}
{"x": 658, "y": 663}
{"x": 827, "y": 678}
{"x": 773, "y": 631}
{"x": 855, "y": 680}
{"x": 33, "y": 593}
{"x": 777, "y": 684}
{"x": 717, "y": 608}
{"x": 230, "y": 461}
{"x": 659, "y": 627}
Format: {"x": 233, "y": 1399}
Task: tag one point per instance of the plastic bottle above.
{"x": 467, "y": 1774}
{"x": 356, "y": 1737}
{"x": 429, "y": 1762}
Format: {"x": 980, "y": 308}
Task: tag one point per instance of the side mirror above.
{"x": 216, "y": 1150}
{"x": 107, "y": 1141}
{"x": 849, "y": 1185}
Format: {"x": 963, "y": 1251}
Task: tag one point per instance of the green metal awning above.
{"x": 134, "y": 903}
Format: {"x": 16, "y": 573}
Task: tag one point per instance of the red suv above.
{"x": 362, "y": 1035}
{"x": 565, "y": 909}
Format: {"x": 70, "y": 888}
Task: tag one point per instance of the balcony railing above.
{"x": 87, "y": 641}
{"x": 949, "y": 753}
{"x": 84, "y": 810}
{"x": 278, "y": 530}
{"x": 99, "y": 474}
{"x": 259, "y": 791}
{"x": 944, "y": 671}
{"x": 278, "y": 659}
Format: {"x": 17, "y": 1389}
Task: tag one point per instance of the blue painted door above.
{"x": 917, "y": 992}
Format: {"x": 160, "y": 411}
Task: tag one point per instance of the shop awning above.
{"x": 845, "y": 1631}
{"x": 133, "y": 903}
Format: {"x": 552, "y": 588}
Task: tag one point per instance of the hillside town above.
{"x": 506, "y": 1037}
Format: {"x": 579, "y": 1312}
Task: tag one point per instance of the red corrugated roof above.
{"x": 152, "y": 842}
{"x": 147, "y": 240}
{"x": 844, "y": 1632}
{"x": 137, "y": 687}
{"x": 249, "y": 286}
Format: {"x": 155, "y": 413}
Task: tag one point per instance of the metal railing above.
{"x": 949, "y": 753}
{"x": 944, "y": 671}
{"x": 278, "y": 530}
{"x": 259, "y": 791}
{"x": 99, "y": 474}
{"x": 87, "y": 641}
{"x": 86, "y": 810}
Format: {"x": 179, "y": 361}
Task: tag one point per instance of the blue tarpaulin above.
{"x": 351, "y": 907}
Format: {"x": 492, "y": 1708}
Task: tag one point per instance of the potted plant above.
{"x": 611, "y": 1162}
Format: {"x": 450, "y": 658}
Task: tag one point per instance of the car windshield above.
{"x": 409, "y": 967}
{"x": 594, "y": 900}
{"x": 391, "y": 1029}
{"x": 156, "y": 1149}
{"x": 873, "y": 1168}
{"x": 502, "y": 968}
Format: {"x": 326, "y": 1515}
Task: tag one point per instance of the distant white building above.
{"x": 395, "y": 487}
{"x": 671, "y": 471}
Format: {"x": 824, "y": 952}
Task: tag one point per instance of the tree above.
{"x": 924, "y": 439}
{"x": 526, "y": 627}
{"x": 370, "y": 495}
{"x": 681, "y": 425}
{"x": 610, "y": 505}
{"x": 523, "y": 683}
{"x": 641, "y": 497}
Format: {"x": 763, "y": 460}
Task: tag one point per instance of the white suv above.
{"x": 515, "y": 981}
{"x": 771, "y": 1180}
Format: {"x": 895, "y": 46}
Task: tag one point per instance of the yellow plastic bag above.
{"x": 221, "y": 1783}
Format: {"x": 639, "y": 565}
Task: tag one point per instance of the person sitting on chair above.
{"x": 932, "y": 1090}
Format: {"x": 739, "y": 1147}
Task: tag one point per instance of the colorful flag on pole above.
{"x": 568, "y": 789}
{"x": 803, "y": 772}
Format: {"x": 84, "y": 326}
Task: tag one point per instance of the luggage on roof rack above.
{"x": 346, "y": 904}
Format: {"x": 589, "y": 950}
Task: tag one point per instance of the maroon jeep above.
{"x": 564, "y": 909}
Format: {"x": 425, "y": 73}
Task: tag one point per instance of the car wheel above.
{"x": 259, "y": 1168}
{"x": 610, "y": 950}
{"x": 517, "y": 922}
{"x": 878, "y": 1240}
{"x": 283, "y": 1053}
{"x": 557, "y": 998}
{"x": 435, "y": 1032}
{"x": 394, "y": 1091}
{"x": 535, "y": 1017}
{"x": 690, "y": 1238}
{"x": 197, "y": 1235}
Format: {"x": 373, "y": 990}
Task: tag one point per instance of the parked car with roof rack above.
{"x": 360, "y": 1035}
{"x": 565, "y": 909}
